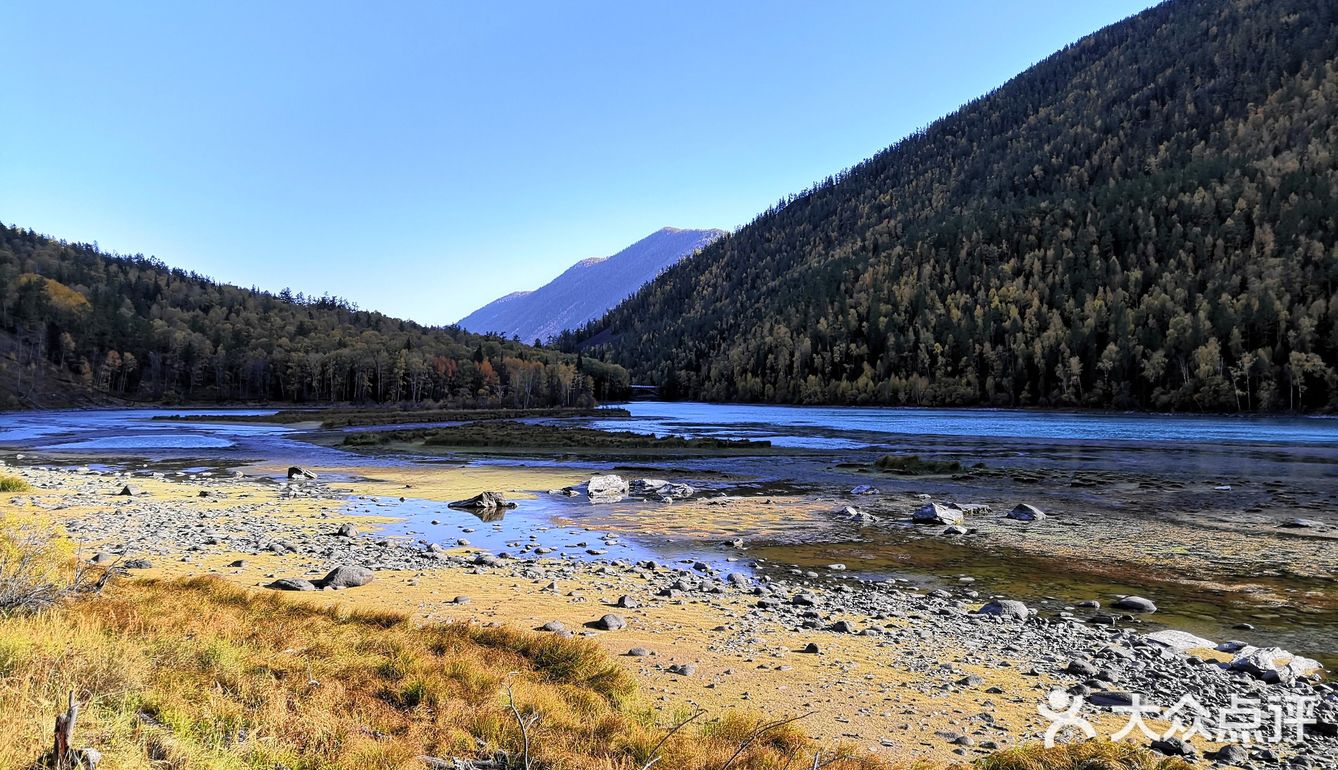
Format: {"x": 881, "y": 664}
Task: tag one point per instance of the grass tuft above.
{"x": 913, "y": 465}
{"x": 1095, "y": 754}
{"x": 10, "y": 483}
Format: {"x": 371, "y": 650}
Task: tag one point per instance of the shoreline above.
{"x": 912, "y": 689}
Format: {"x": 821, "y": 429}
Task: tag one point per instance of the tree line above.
{"x": 131, "y": 327}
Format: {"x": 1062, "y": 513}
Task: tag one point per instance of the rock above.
{"x": 1300, "y": 524}
{"x": 292, "y": 584}
{"x": 553, "y": 626}
{"x": 1081, "y": 668}
{"x": 849, "y": 513}
{"x": 609, "y": 622}
{"x": 838, "y": 567}
{"x": 295, "y": 472}
{"x": 461, "y": 600}
{"x": 347, "y": 576}
{"x": 659, "y": 488}
{"x": 238, "y": 563}
{"x": 609, "y": 488}
{"x": 683, "y": 669}
{"x": 804, "y": 599}
{"x": 627, "y": 602}
{"x": 934, "y": 513}
{"x": 129, "y": 491}
{"x": 638, "y": 652}
{"x": 1230, "y": 754}
{"x": 1110, "y": 698}
{"x": 811, "y": 648}
{"x": 1273, "y": 664}
{"x": 1008, "y": 608}
{"x": 842, "y": 627}
{"x": 346, "y": 530}
{"x": 101, "y": 558}
{"x": 1025, "y": 512}
{"x": 864, "y": 489}
{"x": 1089, "y": 604}
{"x": 1136, "y": 604}
{"x": 138, "y": 564}
{"x": 1174, "y": 747}
{"x": 955, "y": 529}
{"x": 1180, "y": 641}
{"x": 483, "y": 501}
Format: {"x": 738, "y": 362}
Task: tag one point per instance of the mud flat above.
{"x": 904, "y": 670}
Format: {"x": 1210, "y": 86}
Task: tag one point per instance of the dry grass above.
{"x": 37, "y": 568}
{"x": 14, "y": 484}
{"x": 199, "y": 673}
{"x": 1096, "y": 754}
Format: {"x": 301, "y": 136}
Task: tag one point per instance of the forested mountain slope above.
{"x": 588, "y": 289}
{"x": 78, "y": 325}
{"x": 1144, "y": 219}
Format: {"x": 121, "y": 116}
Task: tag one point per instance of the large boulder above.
{"x": 1006, "y": 608}
{"x": 483, "y": 501}
{"x": 1025, "y": 512}
{"x": 607, "y": 488}
{"x": 936, "y": 513}
{"x": 300, "y": 473}
{"x": 347, "y": 576}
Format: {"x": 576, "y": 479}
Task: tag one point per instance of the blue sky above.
{"x": 423, "y": 158}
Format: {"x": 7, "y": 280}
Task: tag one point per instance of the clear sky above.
{"x": 423, "y": 158}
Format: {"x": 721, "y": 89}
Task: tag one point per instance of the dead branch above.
{"x": 524, "y": 723}
{"x": 655, "y": 752}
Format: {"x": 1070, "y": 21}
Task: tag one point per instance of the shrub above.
{"x": 14, "y": 484}
{"x": 36, "y": 569}
{"x": 912, "y": 465}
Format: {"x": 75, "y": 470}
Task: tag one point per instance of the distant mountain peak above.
{"x": 587, "y": 289}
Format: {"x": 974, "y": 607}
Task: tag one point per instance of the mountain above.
{"x": 79, "y": 326}
{"x": 1144, "y": 219}
{"x": 587, "y": 289}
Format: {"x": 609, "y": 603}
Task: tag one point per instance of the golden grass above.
{"x": 10, "y": 483}
{"x": 1095, "y": 754}
{"x": 198, "y": 673}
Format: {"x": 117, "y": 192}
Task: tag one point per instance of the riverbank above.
{"x": 903, "y": 672}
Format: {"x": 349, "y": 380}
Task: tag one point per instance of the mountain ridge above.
{"x": 586, "y": 289}
{"x": 1144, "y": 219}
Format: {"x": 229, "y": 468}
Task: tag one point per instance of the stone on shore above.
{"x": 1025, "y": 512}
{"x": 607, "y": 488}
{"x": 936, "y": 513}
{"x": 347, "y": 576}
{"x": 609, "y": 622}
{"x": 292, "y": 584}
{"x": 295, "y": 472}
{"x": 483, "y": 501}
{"x": 660, "y": 489}
{"x": 1135, "y": 604}
{"x": 1273, "y": 664}
{"x": 1007, "y": 608}
{"x": 1180, "y": 641}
